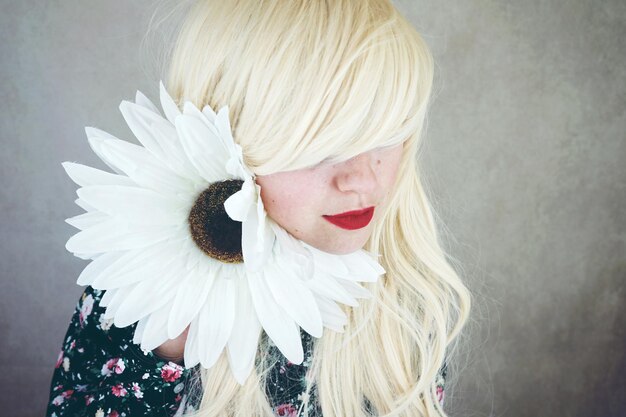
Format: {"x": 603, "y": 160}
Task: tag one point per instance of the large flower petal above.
{"x": 87, "y": 220}
{"x": 95, "y": 137}
{"x": 356, "y": 290}
{"x": 139, "y": 329}
{"x": 84, "y": 176}
{"x": 137, "y": 300}
{"x": 329, "y": 263}
{"x": 356, "y": 266}
{"x": 82, "y": 204}
{"x": 192, "y": 345}
{"x": 243, "y": 342}
{"x": 116, "y": 234}
{"x": 145, "y": 102}
{"x": 279, "y": 327}
{"x": 137, "y": 205}
{"x": 203, "y": 147}
{"x": 235, "y": 165}
{"x": 176, "y": 158}
{"x": 157, "y": 134}
{"x": 291, "y": 247}
{"x": 193, "y": 257}
{"x": 140, "y": 165}
{"x": 191, "y": 295}
{"x": 325, "y": 285}
{"x": 155, "y": 330}
{"x": 257, "y": 239}
{"x": 363, "y": 265}
{"x": 139, "y": 120}
{"x": 239, "y": 205}
{"x": 107, "y": 297}
{"x": 170, "y": 108}
{"x": 146, "y": 297}
{"x": 116, "y": 300}
{"x": 136, "y": 265}
{"x": 95, "y": 267}
{"x": 216, "y": 321}
{"x": 265, "y": 234}
{"x": 295, "y": 298}
{"x": 333, "y": 316}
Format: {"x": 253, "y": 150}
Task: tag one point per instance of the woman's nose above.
{"x": 357, "y": 175}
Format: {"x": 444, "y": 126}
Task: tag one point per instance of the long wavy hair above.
{"x": 309, "y": 80}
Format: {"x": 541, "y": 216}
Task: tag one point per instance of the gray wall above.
{"x": 526, "y": 154}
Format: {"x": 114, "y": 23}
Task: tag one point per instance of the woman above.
{"x": 327, "y": 101}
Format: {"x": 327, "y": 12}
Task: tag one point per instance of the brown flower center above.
{"x": 214, "y": 232}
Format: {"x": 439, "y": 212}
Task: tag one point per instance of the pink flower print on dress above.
{"x": 59, "y": 359}
{"x": 58, "y": 400}
{"x": 137, "y": 390}
{"x": 440, "y": 394}
{"x": 113, "y": 414}
{"x": 171, "y": 372}
{"x": 116, "y": 365}
{"x": 286, "y": 410}
{"x": 105, "y": 324}
{"x": 119, "y": 366}
{"x": 85, "y": 309}
{"x": 119, "y": 390}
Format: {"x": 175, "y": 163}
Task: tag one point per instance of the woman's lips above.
{"x": 352, "y": 220}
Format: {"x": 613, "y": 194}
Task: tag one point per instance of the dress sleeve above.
{"x": 100, "y": 371}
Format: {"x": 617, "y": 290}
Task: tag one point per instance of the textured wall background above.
{"x": 526, "y": 154}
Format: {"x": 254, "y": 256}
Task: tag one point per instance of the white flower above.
{"x": 86, "y": 308}
{"x": 105, "y": 324}
{"x": 119, "y": 366}
{"x": 66, "y": 364}
{"x": 304, "y": 397}
{"x": 137, "y": 390}
{"x": 145, "y": 233}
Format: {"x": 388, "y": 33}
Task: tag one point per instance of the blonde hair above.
{"x": 309, "y": 80}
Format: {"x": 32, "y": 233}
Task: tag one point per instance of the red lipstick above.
{"x": 352, "y": 220}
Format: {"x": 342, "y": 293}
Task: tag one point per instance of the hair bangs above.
{"x": 378, "y": 101}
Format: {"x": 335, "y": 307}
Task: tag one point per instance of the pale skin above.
{"x": 331, "y": 188}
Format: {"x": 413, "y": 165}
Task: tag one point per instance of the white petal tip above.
{"x": 92, "y": 132}
{"x": 317, "y": 333}
{"x": 240, "y": 378}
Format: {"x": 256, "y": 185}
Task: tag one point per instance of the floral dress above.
{"x": 100, "y": 372}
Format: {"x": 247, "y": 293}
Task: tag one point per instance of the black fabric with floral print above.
{"x": 100, "y": 372}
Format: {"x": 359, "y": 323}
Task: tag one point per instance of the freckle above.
{"x": 378, "y": 162}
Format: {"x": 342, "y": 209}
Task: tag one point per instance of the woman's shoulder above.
{"x": 100, "y": 371}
